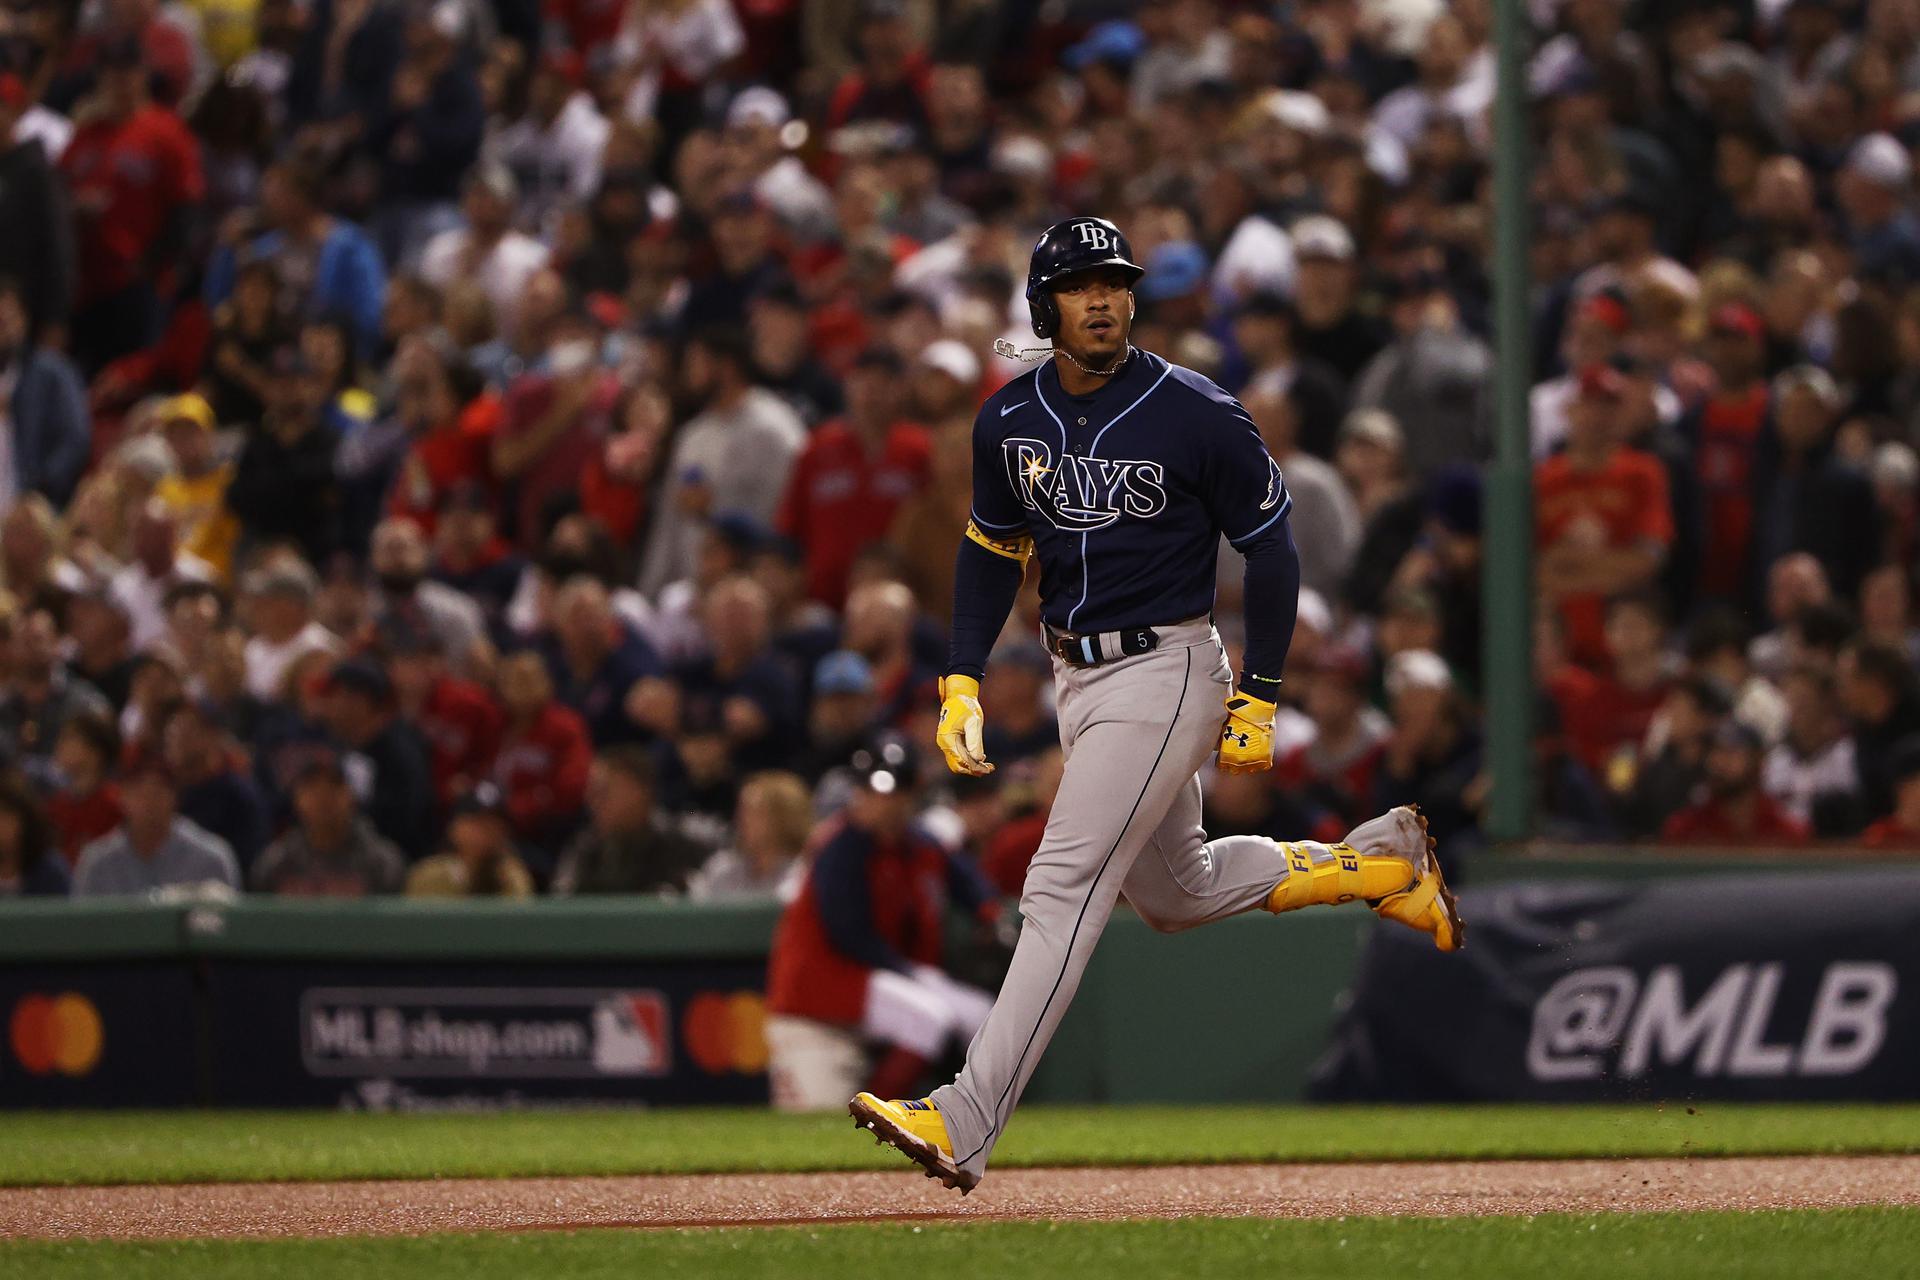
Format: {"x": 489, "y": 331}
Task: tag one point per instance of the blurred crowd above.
{"x": 487, "y": 446}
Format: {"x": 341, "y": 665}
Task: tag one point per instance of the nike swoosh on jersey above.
{"x": 1009, "y": 408}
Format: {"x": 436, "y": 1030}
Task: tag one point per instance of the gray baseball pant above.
{"x": 1127, "y": 820}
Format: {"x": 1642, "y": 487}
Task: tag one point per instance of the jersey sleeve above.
{"x": 996, "y": 509}
{"x": 1244, "y": 490}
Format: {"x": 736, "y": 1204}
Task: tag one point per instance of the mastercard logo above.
{"x": 726, "y": 1032}
{"x": 56, "y": 1034}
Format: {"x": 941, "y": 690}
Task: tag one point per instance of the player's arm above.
{"x": 987, "y": 572}
{"x": 1250, "y": 501}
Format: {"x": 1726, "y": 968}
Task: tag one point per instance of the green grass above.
{"x": 1758, "y": 1246}
{"x": 185, "y": 1146}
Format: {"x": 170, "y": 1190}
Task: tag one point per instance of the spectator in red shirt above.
{"x": 544, "y": 757}
{"x": 1724, "y": 433}
{"x": 1901, "y": 828}
{"x": 458, "y": 718}
{"x": 452, "y": 419}
{"x": 553, "y": 422}
{"x": 86, "y": 803}
{"x": 134, "y": 171}
{"x": 620, "y": 480}
{"x": 890, "y": 82}
{"x": 1602, "y": 519}
{"x": 1731, "y": 809}
{"x": 853, "y": 475}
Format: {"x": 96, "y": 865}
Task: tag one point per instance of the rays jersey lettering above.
{"x": 1125, "y": 493}
{"x": 1082, "y": 493}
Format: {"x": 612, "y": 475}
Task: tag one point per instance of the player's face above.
{"x": 1096, "y": 311}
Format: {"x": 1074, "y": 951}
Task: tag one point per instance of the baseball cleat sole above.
{"x": 1456, "y": 926}
{"x": 935, "y": 1163}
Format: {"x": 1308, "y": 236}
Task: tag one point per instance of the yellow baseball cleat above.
{"x": 916, "y": 1130}
{"x": 1426, "y": 904}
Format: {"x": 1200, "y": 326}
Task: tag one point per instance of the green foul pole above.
{"x": 1509, "y": 523}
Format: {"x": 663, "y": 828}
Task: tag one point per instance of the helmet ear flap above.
{"x": 1043, "y": 311}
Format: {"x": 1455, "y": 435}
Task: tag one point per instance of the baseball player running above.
{"x": 1122, "y": 471}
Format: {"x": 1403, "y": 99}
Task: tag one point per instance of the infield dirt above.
{"x": 282, "y": 1210}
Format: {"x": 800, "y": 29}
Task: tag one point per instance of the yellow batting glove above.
{"x": 1246, "y": 743}
{"x": 962, "y": 725}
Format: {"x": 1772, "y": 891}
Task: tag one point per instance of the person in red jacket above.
{"x": 1732, "y": 810}
{"x": 459, "y": 719}
{"x": 854, "y": 473}
{"x": 544, "y": 757}
{"x": 857, "y": 952}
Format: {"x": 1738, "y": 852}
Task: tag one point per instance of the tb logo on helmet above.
{"x": 1083, "y": 493}
{"x": 1093, "y": 235}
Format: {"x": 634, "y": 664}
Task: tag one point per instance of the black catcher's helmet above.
{"x": 1077, "y": 244}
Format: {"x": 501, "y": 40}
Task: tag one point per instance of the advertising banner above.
{"x": 422, "y": 1036}
{"x": 114, "y": 1033}
{"x": 1764, "y": 987}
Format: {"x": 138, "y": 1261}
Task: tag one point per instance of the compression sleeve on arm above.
{"x": 984, "y": 585}
{"x": 1272, "y": 603}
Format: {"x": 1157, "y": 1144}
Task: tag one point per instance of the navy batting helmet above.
{"x": 1078, "y": 244}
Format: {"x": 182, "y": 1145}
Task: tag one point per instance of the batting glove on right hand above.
{"x": 1246, "y": 743}
{"x": 962, "y": 726}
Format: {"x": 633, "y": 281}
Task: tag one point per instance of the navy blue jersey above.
{"x": 1125, "y": 492}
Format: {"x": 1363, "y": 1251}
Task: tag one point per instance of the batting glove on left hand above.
{"x": 1246, "y": 743}
{"x": 962, "y": 726}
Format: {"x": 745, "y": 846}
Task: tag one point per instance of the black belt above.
{"x": 1100, "y": 648}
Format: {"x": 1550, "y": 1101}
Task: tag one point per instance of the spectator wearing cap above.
{"x": 37, "y": 251}
{"x": 745, "y": 263}
{"x": 859, "y": 948}
{"x": 1813, "y": 771}
{"x": 385, "y": 756}
{"x": 479, "y": 858}
{"x": 1432, "y": 757}
{"x": 406, "y": 595}
{"x": 784, "y": 361}
{"x": 284, "y": 487}
{"x": 280, "y": 610}
{"x": 154, "y": 847}
{"x": 331, "y": 850}
{"x": 470, "y": 556}
{"x": 1264, "y": 333}
{"x": 1877, "y": 690}
{"x": 853, "y": 475}
{"x": 629, "y": 845}
{"x": 1596, "y": 328}
{"x": 1446, "y": 563}
{"x": 458, "y": 718}
{"x": 195, "y": 491}
{"x": 555, "y": 418}
{"x": 1714, "y": 557}
{"x": 771, "y": 826}
{"x": 1625, "y": 228}
{"x": 739, "y": 683}
{"x": 30, "y": 861}
{"x": 1330, "y": 328}
{"x": 554, "y": 149}
{"x": 210, "y": 776}
{"x": 540, "y": 768}
{"x": 732, "y": 456}
{"x": 37, "y": 696}
{"x": 842, "y": 715}
{"x": 84, "y": 802}
{"x": 1874, "y": 190}
{"x": 1434, "y": 372}
{"x": 340, "y": 272}
{"x": 47, "y": 433}
{"x": 1024, "y": 725}
{"x": 486, "y": 250}
{"x": 1730, "y": 808}
{"x": 596, "y": 660}
{"x": 888, "y": 80}
{"x": 134, "y": 173}
{"x": 1805, "y": 496}
{"x": 1602, "y": 518}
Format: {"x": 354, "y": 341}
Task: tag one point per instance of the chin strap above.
{"x": 1006, "y": 350}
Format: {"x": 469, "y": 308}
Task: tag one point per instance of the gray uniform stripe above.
{"x": 1078, "y": 920}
